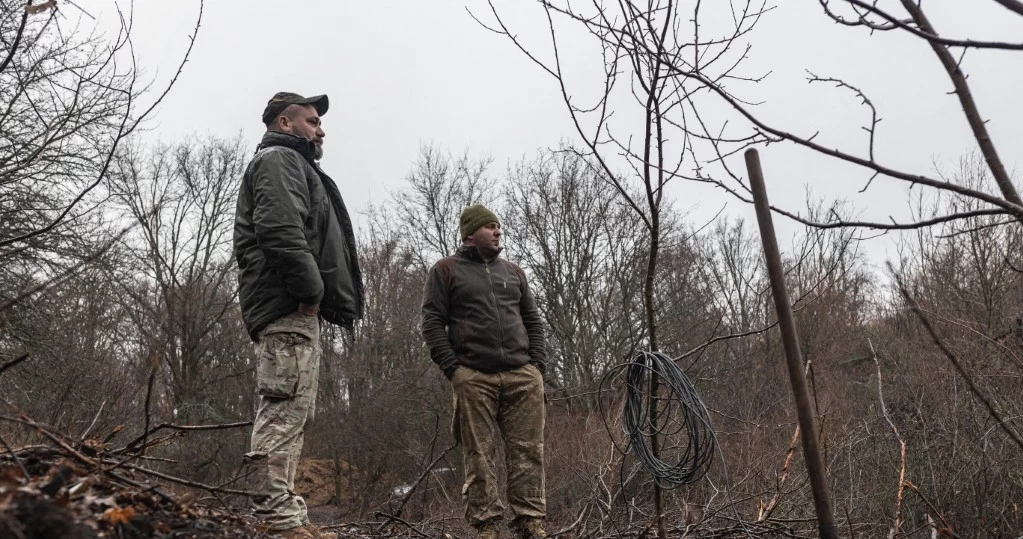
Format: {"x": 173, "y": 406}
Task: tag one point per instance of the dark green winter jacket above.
{"x": 480, "y": 314}
{"x": 293, "y": 238}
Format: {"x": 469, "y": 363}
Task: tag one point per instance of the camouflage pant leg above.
{"x": 476, "y": 397}
{"x": 510, "y": 403}
{"x": 286, "y": 382}
{"x": 521, "y": 418}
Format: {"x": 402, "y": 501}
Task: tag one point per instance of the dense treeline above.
{"x": 151, "y": 327}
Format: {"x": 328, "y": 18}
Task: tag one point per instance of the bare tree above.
{"x": 69, "y": 96}
{"x": 664, "y": 140}
{"x": 76, "y": 339}
{"x": 582, "y": 252}
{"x": 440, "y": 186}
{"x": 181, "y": 281}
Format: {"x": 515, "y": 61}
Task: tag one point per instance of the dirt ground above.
{"x": 46, "y": 495}
{"x": 61, "y": 499}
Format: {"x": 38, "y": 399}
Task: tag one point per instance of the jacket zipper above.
{"x": 497, "y": 309}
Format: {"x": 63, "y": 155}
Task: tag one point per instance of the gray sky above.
{"x": 405, "y": 73}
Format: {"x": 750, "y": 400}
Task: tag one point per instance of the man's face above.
{"x": 304, "y": 122}
{"x": 487, "y": 238}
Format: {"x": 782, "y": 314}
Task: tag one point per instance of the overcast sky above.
{"x": 401, "y": 74}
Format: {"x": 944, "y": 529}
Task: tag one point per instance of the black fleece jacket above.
{"x": 480, "y": 313}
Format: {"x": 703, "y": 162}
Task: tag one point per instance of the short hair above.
{"x": 288, "y": 112}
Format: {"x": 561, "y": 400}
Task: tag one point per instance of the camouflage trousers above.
{"x": 507, "y": 405}
{"x": 287, "y": 376}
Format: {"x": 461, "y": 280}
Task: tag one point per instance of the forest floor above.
{"x": 50, "y": 493}
{"x": 44, "y": 495}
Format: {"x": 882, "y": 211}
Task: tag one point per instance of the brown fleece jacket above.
{"x": 481, "y": 314}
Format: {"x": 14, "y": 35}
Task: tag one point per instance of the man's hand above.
{"x": 449, "y": 372}
{"x": 310, "y": 310}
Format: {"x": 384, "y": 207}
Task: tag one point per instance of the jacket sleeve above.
{"x": 435, "y": 321}
{"x": 280, "y": 208}
{"x": 534, "y": 326}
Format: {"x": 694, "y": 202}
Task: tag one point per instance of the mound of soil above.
{"x": 316, "y": 481}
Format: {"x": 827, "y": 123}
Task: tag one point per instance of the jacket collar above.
{"x": 303, "y": 146}
{"x": 470, "y": 252}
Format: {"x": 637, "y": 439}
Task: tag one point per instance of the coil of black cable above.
{"x": 680, "y": 425}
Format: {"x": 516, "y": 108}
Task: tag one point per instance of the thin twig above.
{"x": 93, "y": 424}
{"x": 153, "y": 368}
{"x": 17, "y": 460}
{"x": 46, "y": 432}
{"x": 897, "y": 523}
{"x": 180, "y": 481}
{"x": 399, "y": 519}
{"x": 13, "y": 362}
{"x": 765, "y": 513}
{"x": 17, "y": 38}
{"x": 171, "y": 426}
{"x": 947, "y": 531}
{"x": 412, "y": 489}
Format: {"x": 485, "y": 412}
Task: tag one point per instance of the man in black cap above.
{"x": 297, "y": 264}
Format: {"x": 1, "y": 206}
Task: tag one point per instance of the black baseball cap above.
{"x": 281, "y": 101}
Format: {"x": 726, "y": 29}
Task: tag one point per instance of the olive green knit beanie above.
{"x": 473, "y": 218}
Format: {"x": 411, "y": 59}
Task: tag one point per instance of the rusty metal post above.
{"x": 793, "y": 356}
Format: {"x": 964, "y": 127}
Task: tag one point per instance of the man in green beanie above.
{"x": 483, "y": 329}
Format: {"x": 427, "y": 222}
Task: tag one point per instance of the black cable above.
{"x": 681, "y": 423}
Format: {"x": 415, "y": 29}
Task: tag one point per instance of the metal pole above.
{"x": 793, "y": 356}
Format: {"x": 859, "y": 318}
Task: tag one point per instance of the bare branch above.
{"x": 13, "y": 362}
{"x": 891, "y": 22}
{"x": 17, "y": 38}
{"x": 897, "y": 525}
{"x": 1012, "y": 5}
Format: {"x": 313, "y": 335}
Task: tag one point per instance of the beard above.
{"x": 317, "y": 151}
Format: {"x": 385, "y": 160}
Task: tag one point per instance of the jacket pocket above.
{"x": 278, "y": 370}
